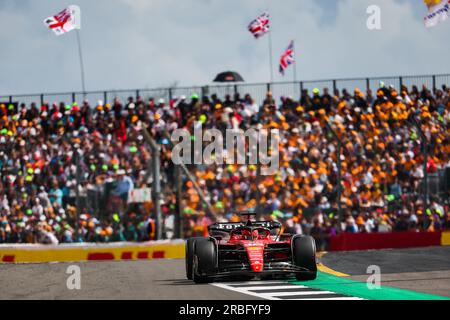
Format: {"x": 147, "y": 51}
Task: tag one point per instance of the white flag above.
{"x": 437, "y": 13}
{"x": 65, "y": 21}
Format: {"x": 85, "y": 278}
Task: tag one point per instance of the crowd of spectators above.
{"x": 44, "y": 149}
{"x": 382, "y": 160}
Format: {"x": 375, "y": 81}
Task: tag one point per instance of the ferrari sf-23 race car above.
{"x": 250, "y": 249}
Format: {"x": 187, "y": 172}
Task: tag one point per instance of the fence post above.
{"x": 157, "y": 192}
{"x": 10, "y": 99}
{"x": 105, "y": 97}
{"x": 170, "y": 94}
{"x": 367, "y": 84}
{"x": 401, "y": 83}
{"x": 137, "y": 94}
{"x": 424, "y": 142}
{"x": 154, "y": 168}
{"x": 205, "y": 91}
{"x": 179, "y": 210}
{"x": 73, "y": 97}
{"x": 301, "y": 88}
{"x": 77, "y": 195}
{"x": 258, "y": 192}
{"x": 268, "y": 87}
{"x": 447, "y": 179}
{"x": 425, "y": 176}
{"x": 42, "y": 99}
{"x": 339, "y": 178}
{"x": 235, "y": 89}
{"x": 339, "y": 175}
{"x": 434, "y": 83}
{"x": 334, "y": 86}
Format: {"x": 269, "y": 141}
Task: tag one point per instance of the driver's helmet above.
{"x": 242, "y": 235}
{"x": 246, "y": 235}
{"x": 259, "y": 235}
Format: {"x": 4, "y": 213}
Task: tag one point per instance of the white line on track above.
{"x": 249, "y": 288}
{"x": 262, "y": 287}
{"x": 294, "y": 293}
{"x": 225, "y": 286}
{"x": 254, "y": 282}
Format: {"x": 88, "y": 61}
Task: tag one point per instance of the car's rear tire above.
{"x": 189, "y": 259}
{"x": 304, "y": 255}
{"x": 204, "y": 260}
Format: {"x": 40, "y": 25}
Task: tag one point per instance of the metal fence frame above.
{"x": 256, "y": 90}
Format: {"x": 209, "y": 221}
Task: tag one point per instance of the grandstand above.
{"x": 395, "y": 160}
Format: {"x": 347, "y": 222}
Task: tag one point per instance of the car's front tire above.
{"x": 204, "y": 260}
{"x": 304, "y": 255}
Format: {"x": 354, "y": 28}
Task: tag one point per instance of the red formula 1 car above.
{"x": 254, "y": 249}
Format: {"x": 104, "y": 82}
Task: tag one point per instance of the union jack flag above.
{"x": 260, "y": 26}
{"x": 65, "y": 21}
{"x": 287, "y": 58}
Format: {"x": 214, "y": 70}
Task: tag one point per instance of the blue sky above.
{"x": 145, "y": 44}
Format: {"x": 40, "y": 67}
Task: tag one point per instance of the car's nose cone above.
{"x": 255, "y": 255}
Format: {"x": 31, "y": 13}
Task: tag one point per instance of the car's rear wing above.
{"x": 230, "y": 226}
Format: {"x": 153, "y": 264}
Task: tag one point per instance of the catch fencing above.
{"x": 256, "y": 90}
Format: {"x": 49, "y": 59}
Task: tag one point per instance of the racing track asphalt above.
{"x": 147, "y": 280}
{"x": 423, "y": 270}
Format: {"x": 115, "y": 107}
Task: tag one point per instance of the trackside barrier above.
{"x": 396, "y": 240}
{"x": 92, "y": 252}
{"x": 176, "y": 250}
{"x": 445, "y": 239}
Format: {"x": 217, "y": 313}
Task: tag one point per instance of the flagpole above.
{"x": 295, "y": 67}
{"x": 270, "y": 56}
{"x": 295, "y": 62}
{"x": 270, "y": 44}
{"x": 80, "y": 53}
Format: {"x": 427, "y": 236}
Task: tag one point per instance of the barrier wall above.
{"x": 92, "y": 252}
{"x": 175, "y": 249}
{"x": 373, "y": 241}
{"x": 445, "y": 239}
